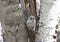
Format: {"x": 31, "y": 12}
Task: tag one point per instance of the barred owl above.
{"x": 31, "y": 23}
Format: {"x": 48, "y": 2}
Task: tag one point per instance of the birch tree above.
{"x": 49, "y": 19}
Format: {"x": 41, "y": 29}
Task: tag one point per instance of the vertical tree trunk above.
{"x": 32, "y": 8}
{"x": 14, "y": 27}
{"x": 48, "y": 22}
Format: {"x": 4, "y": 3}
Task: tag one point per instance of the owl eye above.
{"x": 30, "y": 18}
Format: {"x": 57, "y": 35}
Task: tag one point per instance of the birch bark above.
{"x": 48, "y": 21}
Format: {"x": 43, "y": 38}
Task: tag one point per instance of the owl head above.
{"x": 31, "y": 23}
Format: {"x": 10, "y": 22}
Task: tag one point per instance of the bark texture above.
{"x": 13, "y": 22}
{"x": 48, "y": 22}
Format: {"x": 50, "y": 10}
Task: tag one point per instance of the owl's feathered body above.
{"x": 31, "y": 23}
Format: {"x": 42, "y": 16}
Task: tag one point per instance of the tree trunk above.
{"x": 48, "y": 22}
{"x": 32, "y": 8}
{"x": 13, "y": 23}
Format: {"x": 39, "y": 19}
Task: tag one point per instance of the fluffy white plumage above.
{"x": 31, "y": 23}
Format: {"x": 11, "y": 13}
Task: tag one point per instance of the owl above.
{"x": 31, "y": 23}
